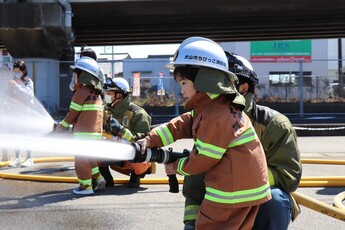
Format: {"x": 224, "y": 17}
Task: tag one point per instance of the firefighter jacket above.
{"x": 134, "y": 118}
{"x": 135, "y": 121}
{"x": 85, "y": 114}
{"x": 279, "y": 141}
{"x": 226, "y": 148}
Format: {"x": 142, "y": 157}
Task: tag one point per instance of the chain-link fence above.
{"x": 318, "y": 81}
{"x": 315, "y": 81}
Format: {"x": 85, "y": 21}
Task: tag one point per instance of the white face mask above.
{"x": 108, "y": 99}
{"x": 18, "y": 75}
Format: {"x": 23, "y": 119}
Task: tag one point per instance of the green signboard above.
{"x": 282, "y": 50}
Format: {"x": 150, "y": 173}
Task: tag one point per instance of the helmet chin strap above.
{"x": 111, "y": 104}
{"x": 243, "y": 93}
{"x": 115, "y": 101}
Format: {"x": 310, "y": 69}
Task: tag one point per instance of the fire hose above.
{"x": 316, "y": 205}
{"x": 165, "y": 156}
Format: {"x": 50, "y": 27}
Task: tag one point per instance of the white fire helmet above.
{"x": 89, "y": 65}
{"x": 200, "y": 52}
{"x": 118, "y": 84}
{"x": 245, "y": 62}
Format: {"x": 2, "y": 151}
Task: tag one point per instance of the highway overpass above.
{"x": 44, "y": 32}
{"x": 125, "y": 22}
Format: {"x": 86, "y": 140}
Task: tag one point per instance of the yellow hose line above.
{"x": 43, "y": 160}
{"x": 321, "y": 183}
{"x": 61, "y": 179}
{"x": 338, "y": 200}
{"x": 309, "y": 181}
{"x": 15, "y": 176}
{"x": 318, "y": 178}
{"x": 314, "y": 183}
{"x": 323, "y": 161}
{"x": 319, "y": 206}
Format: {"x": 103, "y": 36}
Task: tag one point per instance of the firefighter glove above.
{"x": 113, "y": 127}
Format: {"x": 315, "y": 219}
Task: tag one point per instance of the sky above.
{"x": 135, "y": 51}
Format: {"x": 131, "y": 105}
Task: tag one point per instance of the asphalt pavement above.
{"x": 52, "y": 205}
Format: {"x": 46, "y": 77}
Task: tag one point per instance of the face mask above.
{"x": 18, "y": 75}
{"x": 107, "y": 99}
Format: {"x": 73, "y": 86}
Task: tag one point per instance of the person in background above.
{"x": 3, "y": 102}
{"x": 21, "y": 89}
{"x": 124, "y": 121}
{"x": 86, "y": 52}
{"x": 279, "y": 140}
{"x": 226, "y": 149}
{"x": 86, "y": 116}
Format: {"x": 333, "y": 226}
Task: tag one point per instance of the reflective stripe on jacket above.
{"x": 85, "y": 114}
{"x": 227, "y": 149}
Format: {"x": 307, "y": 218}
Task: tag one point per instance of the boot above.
{"x": 134, "y": 181}
{"x": 105, "y": 172}
{"x": 189, "y": 225}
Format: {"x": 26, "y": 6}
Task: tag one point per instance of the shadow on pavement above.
{"x": 330, "y": 191}
{"x": 37, "y": 200}
{"x": 51, "y": 197}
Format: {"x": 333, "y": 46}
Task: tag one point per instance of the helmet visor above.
{"x": 111, "y": 85}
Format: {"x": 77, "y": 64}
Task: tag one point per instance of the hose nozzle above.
{"x": 158, "y": 155}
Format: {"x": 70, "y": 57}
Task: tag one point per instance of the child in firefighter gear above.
{"x": 22, "y": 90}
{"x": 279, "y": 141}
{"x": 86, "y": 116}
{"x": 226, "y": 147}
{"x": 124, "y": 121}
{"x": 86, "y": 52}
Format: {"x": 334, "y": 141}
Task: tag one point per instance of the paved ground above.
{"x": 43, "y": 205}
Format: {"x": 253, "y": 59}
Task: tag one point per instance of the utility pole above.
{"x": 113, "y": 56}
{"x": 112, "y": 62}
{"x": 340, "y": 63}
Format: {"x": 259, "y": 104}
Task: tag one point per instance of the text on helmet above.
{"x": 205, "y": 59}
{"x": 86, "y": 67}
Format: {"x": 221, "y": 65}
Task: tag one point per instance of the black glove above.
{"x": 113, "y": 127}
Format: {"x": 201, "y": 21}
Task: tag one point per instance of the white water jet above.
{"x": 99, "y": 149}
{"x": 18, "y": 116}
{"x": 27, "y": 127}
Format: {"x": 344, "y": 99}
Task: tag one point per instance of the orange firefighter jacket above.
{"x": 85, "y": 114}
{"x": 226, "y": 148}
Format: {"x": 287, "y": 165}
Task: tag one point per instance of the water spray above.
{"x": 19, "y": 117}
{"x": 67, "y": 146}
{"x": 97, "y": 149}
{"x": 28, "y": 126}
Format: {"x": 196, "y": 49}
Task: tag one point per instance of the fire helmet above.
{"x": 88, "y": 73}
{"x": 200, "y": 52}
{"x": 117, "y": 84}
{"x": 242, "y": 67}
{"x": 88, "y": 65}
